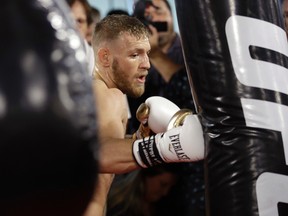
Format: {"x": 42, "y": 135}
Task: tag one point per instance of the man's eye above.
{"x": 81, "y": 21}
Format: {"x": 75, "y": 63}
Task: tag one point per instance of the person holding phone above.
{"x": 166, "y": 58}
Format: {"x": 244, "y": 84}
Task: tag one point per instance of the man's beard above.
{"x": 123, "y": 84}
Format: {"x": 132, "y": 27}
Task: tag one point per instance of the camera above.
{"x": 139, "y": 13}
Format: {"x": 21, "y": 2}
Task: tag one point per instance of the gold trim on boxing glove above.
{"x": 142, "y": 113}
{"x": 178, "y": 118}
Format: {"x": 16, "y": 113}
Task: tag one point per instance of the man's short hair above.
{"x": 110, "y": 27}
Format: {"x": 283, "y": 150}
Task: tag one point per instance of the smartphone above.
{"x": 160, "y": 26}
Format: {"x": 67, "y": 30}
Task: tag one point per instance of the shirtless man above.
{"x": 122, "y": 64}
{"x": 121, "y": 47}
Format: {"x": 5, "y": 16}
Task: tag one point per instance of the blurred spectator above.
{"x": 95, "y": 17}
{"x": 81, "y": 11}
{"x": 137, "y": 193}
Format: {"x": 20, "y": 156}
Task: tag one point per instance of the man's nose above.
{"x": 146, "y": 62}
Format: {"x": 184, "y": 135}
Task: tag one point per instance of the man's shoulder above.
{"x": 103, "y": 88}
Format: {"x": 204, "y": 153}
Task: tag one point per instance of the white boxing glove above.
{"x": 180, "y": 144}
{"x": 157, "y": 112}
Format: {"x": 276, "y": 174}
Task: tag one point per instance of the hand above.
{"x": 142, "y": 114}
{"x": 154, "y": 41}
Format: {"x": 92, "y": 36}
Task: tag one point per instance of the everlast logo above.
{"x": 175, "y": 141}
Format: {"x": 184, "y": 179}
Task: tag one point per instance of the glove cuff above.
{"x": 146, "y": 153}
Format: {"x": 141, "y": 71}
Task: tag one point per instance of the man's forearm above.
{"x": 115, "y": 156}
{"x": 97, "y": 205}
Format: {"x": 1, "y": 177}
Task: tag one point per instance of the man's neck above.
{"x": 105, "y": 79}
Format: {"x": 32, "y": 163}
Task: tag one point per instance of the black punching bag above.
{"x": 48, "y": 141}
{"x": 236, "y": 56}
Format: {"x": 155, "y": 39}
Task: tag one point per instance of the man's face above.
{"x": 80, "y": 17}
{"x": 130, "y": 64}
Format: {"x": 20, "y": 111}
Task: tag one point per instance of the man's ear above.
{"x": 103, "y": 56}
